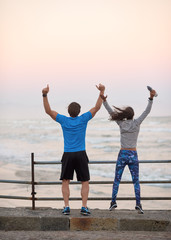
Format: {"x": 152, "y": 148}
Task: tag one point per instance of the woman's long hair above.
{"x": 122, "y": 114}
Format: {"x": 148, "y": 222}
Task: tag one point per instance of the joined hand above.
{"x": 101, "y": 87}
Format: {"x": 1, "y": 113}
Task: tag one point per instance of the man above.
{"x": 74, "y": 156}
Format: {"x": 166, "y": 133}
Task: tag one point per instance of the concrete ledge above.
{"x": 48, "y": 219}
{"x": 93, "y": 224}
{"x": 33, "y": 224}
{"x": 44, "y": 219}
{"x": 144, "y": 225}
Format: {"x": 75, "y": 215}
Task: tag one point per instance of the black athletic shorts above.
{"x": 77, "y": 161}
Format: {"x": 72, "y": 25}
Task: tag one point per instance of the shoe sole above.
{"x": 85, "y": 214}
{"x": 66, "y": 213}
{"x": 113, "y": 207}
{"x": 139, "y": 211}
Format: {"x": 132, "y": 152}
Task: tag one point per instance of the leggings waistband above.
{"x": 131, "y": 149}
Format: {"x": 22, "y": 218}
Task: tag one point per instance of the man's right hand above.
{"x": 101, "y": 87}
{"x": 45, "y": 90}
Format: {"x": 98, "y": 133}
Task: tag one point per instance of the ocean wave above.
{"x": 99, "y": 140}
{"x": 44, "y": 137}
{"x": 156, "y": 130}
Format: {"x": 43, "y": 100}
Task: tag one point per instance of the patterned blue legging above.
{"x": 130, "y": 158}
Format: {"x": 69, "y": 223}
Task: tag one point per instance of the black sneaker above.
{"x": 112, "y": 205}
{"x": 85, "y": 211}
{"x": 139, "y": 208}
{"x": 66, "y": 211}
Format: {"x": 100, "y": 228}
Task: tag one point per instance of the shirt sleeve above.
{"x": 60, "y": 118}
{"x": 145, "y": 113}
{"x": 86, "y": 116}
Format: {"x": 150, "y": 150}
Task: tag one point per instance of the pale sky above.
{"x": 72, "y": 45}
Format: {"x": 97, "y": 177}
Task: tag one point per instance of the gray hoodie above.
{"x": 129, "y": 129}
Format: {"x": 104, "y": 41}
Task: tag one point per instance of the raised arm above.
{"x": 46, "y": 104}
{"x": 106, "y": 105}
{"x": 148, "y": 108}
{"x": 97, "y": 107}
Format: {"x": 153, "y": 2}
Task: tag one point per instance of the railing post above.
{"x": 33, "y": 193}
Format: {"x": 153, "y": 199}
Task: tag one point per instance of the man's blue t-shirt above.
{"x": 74, "y": 131}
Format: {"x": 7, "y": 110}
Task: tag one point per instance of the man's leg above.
{"x": 84, "y": 193}
{"x": 66, "y": 191}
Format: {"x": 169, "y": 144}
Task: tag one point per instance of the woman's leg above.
{"x": 134, "y": 170}
{"x": 120, "y": 165}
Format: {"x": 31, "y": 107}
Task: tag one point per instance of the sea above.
{"x": 43, "y": 137}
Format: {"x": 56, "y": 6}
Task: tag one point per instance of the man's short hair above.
{"x": 74, "y": 109}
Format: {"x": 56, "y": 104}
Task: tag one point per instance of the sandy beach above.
{"x": 14, "y": 172}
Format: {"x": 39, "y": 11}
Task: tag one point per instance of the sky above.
{"x": 72, "y": 45}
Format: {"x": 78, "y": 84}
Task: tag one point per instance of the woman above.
{"x": 129, "y": 130}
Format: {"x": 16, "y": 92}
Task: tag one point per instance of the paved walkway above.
{"x": 84, "y": 235}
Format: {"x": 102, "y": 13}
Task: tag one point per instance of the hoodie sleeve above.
{"x": 145, "y": 113}
{"x": 108, "y": 108}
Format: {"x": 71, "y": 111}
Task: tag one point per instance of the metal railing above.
{"x": 33, "y": 198}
